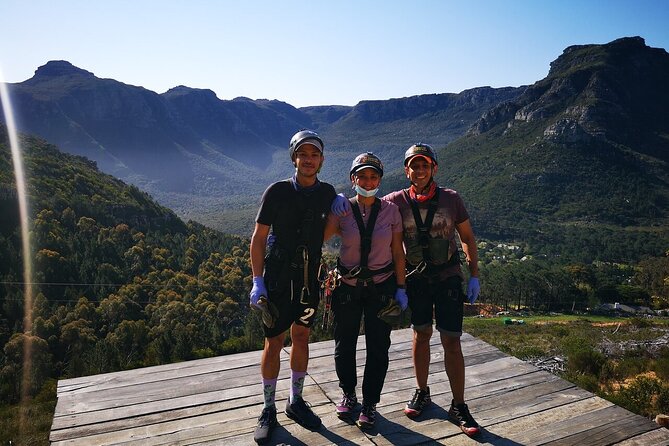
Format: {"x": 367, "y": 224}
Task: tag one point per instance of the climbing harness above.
{"x": 329, "y": 280}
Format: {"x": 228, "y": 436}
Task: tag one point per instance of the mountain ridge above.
{"x": 580, "y": 151}
{"x": 586, "y": 145}
{"x": 210, "y": 149}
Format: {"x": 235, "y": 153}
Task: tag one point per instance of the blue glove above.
{"x": 402, "y": 298}
{"x": 473, "y": 289}
{"x": 257, "y": 291}
{"x": 340, "y": 205}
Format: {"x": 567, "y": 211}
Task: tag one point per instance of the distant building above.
{"x": 623, "y": 309}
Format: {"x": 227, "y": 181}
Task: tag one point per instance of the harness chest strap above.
{"x": 365, "y": 231}
{"x": 424, "y": 234}
{"x": 424, "y": 227}
{"x": 361, "y": 272}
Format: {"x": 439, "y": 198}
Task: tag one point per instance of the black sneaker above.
{"x": 302, "y": 413}
{"x": 346, "y": 405}
{"x": 459, "y": 415}
{"x": 367, "y": 416}
{"x": 266, "y": 424}
{"x": 420, "y": 400}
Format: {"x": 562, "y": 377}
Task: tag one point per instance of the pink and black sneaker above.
{"x": 459, "y": 415}
{"x": 367, "y": 416}
{"x": 419, "y": 401}
{"x": 346, "y": 405}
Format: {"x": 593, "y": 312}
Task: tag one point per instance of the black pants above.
{"x": 349, "y": 305}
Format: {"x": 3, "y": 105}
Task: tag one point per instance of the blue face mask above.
{"x": 364, "y": 192}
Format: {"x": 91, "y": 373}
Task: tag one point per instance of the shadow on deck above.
{"x": 217, "y": 401}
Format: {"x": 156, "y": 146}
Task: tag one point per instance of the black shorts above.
{"x": 291, "y": 310}
{"x": 443, "y": 301}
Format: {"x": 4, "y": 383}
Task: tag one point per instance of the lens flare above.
{"x": 25, "y": 238}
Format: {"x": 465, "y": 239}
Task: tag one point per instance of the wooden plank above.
{"x": 163, "y": 371}
{"x": 111, "y": 420}
{"x": 609, "y": 425}
{"x": 330, "y": 434}
{"x": 525, "y": 399}
{"x": 218, "y": 400}
{"x": 513, "y": 430}
{"x": 159, "y": 411}
{"x": 553, "y": 424}
{"x": 167, "y": 431}
{"x": 657, "y": 437}
{"x": 221, "y": 428}
{"x": 138, "y": 392}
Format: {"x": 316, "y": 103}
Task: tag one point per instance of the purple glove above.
{"x": 340, "y": 205}
{"x": 257, "y": 291}
{"x": 402, "y": 298}
{"x": 473, "y": 289}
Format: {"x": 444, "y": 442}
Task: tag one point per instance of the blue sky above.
{"x": 316, "y": 52}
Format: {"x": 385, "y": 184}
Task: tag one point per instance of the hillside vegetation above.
{"x": 120, "y": 282}
{"x": 566, "y": 182}
{"x": 625, "y": 361}
{"x": 576, "y": 166}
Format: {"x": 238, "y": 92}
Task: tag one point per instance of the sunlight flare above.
{"x": 25, "y": 238}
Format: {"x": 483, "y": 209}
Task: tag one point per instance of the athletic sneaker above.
{"x": 367, "y": 415}
{"x": 302, "y": 413}
{"x": 266, "y": 424}
{"x": 346, "y": 405}
{"x": 459, "y": 415}
{"x": 420, "y": 400}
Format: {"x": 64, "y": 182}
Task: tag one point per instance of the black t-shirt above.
{"x": 284, "y": 209}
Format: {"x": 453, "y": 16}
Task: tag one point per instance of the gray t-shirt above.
{"x": 450, "y": 212}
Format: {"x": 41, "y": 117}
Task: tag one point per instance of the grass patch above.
{"x": 38, "y": 412}
{"x": 608, "y": 356}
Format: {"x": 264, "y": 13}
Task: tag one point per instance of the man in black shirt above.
{"x": 285, "y": 265}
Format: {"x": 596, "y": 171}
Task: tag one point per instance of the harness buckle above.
{"x": 422, "y": 266}
{"x": 354, "y": 272}
{"x": 419, "y": 269}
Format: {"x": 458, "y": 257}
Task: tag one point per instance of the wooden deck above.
{"x": 217, "y": 401}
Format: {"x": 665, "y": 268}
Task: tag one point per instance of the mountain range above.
{"x": 203, "y": 156}
{"x": 577, "y": 157}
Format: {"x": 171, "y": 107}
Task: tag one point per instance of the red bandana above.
{"x": 423, "y": 197}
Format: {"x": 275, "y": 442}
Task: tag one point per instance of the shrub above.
{"x": 234, "y": 345}
{"x": 607, "y": 372}
{"x": 200, "y": 353}
{"x": 587, "y": 382}
{"x": 637, "y": 396}
{"x": 640, "y": 322}
{"x": 661, "y": 368}
{"x": 629, "y": 367}
{"x": 662, "y": 402}
{"x": 582, "y": 356}
{"x": 561, "y": 332}
{"x": 526, "y": 352}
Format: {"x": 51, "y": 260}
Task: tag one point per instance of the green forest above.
{"x": 121, "y": 282}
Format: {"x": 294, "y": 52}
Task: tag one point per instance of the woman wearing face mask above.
{"x": 372, "y": 267}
